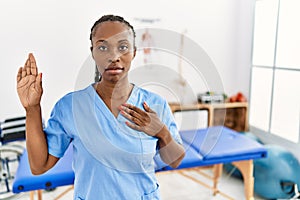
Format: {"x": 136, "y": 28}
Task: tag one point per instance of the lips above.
{"x": 114, "y": 67}
{"x": 114, "y": 70}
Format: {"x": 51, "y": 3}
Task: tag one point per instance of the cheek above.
{"x": 128, "y": 59}
{"x": 100, "y": 61}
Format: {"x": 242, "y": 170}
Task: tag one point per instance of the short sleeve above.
{"x": 57, "y": 138}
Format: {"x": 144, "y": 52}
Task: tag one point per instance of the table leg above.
{"x": 31, "y": 195}
{"x": 217, "y": 170}
{"x": 246, "y": 168}
{"x": 39, "y": 194}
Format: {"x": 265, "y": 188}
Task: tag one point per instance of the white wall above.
{"x": 57, "y": 32}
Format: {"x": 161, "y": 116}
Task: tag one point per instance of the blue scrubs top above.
{"x": 110, "y": 160}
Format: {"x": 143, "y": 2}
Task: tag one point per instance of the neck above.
{"x": 113, "y": 91}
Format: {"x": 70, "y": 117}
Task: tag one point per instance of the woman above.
{"x": 115, "y": 127}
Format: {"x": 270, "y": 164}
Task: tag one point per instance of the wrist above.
{"x": 164, "y": 135}
{"x": 33, "y": 108}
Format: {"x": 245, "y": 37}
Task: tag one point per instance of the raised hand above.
{"x": 29, "y": 83}
{"x": 142, "y": 120}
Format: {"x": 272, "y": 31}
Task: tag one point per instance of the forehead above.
{"x": 112, "y": 31}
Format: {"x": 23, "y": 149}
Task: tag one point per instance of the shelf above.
{"x": 231, "y": 115}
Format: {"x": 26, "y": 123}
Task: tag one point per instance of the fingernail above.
{"x": 41, "y": 75}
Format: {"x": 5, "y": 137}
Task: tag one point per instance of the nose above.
{"x": 115, "y": 56}
{"x": 113, "y": 60}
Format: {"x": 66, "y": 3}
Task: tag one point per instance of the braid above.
{"x": 112, "y": 18}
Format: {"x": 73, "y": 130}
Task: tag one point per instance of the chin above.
{"x": 115, "y": 79}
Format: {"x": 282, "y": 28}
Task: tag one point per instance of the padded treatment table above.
{"x": 221, "y": 144}
{"x": 215, "y": 146}
{"x": 60, "y": 175}
{"x": 212, "y": 146}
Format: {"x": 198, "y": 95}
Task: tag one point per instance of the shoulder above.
{"x": 68, "y": 98}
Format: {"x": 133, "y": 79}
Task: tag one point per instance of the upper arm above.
{"x": 57, "y": 134}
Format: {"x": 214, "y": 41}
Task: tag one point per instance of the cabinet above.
{"x": 231, "y": 115}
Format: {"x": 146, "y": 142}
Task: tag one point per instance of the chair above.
{"x": 12, "y": 131}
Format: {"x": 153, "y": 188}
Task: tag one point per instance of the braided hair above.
{"x": 112, "y": 18}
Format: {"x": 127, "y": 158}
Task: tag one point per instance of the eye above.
{"x": 102, "y": 48}
{"x": 123, "y": 48}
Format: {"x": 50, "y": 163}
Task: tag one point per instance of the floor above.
{"x": 174, "y": 187}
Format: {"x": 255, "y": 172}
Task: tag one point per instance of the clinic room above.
{"x": 152, "y": 100}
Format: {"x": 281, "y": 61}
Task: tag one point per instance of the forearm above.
{"x": 36, "y": 142}
{"x": 170, "y": 151}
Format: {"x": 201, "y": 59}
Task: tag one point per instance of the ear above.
{"x": 134, "y": 52}
{"x": 91, "y": 48}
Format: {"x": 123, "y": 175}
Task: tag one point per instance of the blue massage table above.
{"x": 215, "y": 146}
{"x": 212, "y": 146}
{"x": 60, "y": 175}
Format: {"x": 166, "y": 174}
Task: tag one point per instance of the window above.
{"x": 275, "y": 78}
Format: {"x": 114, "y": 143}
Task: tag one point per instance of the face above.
{"x": 113, "y": 50}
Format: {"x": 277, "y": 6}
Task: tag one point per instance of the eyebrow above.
{"x": 124, "y": 40}
{"x": 105, "y": 41}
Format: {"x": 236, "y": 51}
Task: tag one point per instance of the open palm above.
{"x": 29, "y": 83}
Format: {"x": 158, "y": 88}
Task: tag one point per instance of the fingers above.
{"x": 147, "y": 108}
{"x": 27, "y": 66}
{"x": 24, "y": 69}
{"x": 24, "y": 73}
{"x": 134, "y": 126}
{"x": 19, "y": 75}
{"x": 146, "y": 121}
{"x": 38, "y": 82}
{"x": 139, "y": 117}
{"x": 132, "y": 113}
{"x": 133, "y": 110}
{"x": 33, "y": 67}
{"x": 135, "y": 121}
{"x": 30, "y": 67}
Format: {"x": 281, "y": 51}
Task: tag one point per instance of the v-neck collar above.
{"x": 103, "y": 107}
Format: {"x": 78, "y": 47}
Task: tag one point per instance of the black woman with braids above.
{"x": 114, "y": 127}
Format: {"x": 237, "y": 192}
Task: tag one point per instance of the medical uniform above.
{"x": 111, "y": 161}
